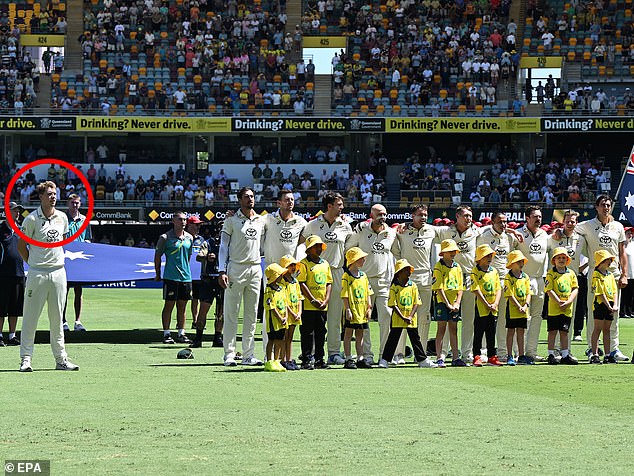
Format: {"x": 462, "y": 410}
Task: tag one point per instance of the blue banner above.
{"x": 94, "y": 263}
{"x": 626, "y": 192}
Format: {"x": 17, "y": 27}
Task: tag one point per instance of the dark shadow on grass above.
{"x": 123, "y": 336}
{"x": 187, "y": 365}
{"x": 35, "y": 370}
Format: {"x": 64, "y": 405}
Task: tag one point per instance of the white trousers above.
{"x": 535, "y": 318}
{"x": 243, "y": 291}
{"x": 334, "y": 314}
{"x": 423, "y": 314}
{"x": 500, "y": 332}
{"x": 44, "y": 287}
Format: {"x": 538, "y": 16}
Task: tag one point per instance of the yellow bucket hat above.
{"x": 447, "y": 246}
{"x": 273, "y": 272}
{"x": 287, "y": 260}
{"x": 313, "y": 240}
{"x": 602, "y": 255}
{"x": 482, "y": 251}
{"x": 401, "y": 265}
{"x": 561, "y": 251}
{"x": 354, "y": 254}
{"x": 514, "y": 257}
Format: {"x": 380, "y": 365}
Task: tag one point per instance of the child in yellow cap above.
{"x": 485, "y": 284}
{"x": 562, "y": 289}
{"x": 404, "y": 301}
{"x": 517, "y": 290}
{"x": 447, "y": 287}
{"x": 357, "y": 306}
{"x": 294, "y": 309}
{"x": 315, "y": 280}
{"x": 604, "y": 290}
{"x": 275, "y": 308}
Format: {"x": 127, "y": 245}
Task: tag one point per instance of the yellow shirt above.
{"x": 294, "y": 300}
{"x": 448, "y": 279}
{"x": 275, "y": 298}
{"x": 521, "y": 289}
{"x": 562, "y": 284}
{"x": 317, "y": 277}
{"x": 356, "y": 289}
{"x": 405, "y": 298}
{"x": 488, "y": 282}
{"x": 603, "y": 284}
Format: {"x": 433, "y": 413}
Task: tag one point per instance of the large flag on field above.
{"x": 93, "y": 263}
{"x": 626, "y": 189}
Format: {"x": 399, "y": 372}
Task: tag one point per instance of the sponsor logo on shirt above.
{"x": 52, "y": 236}
{"x": 330, "y": 236}
{"x": 419, "y": 242}
{"x": 535, "y": 248}
{"x": 605, "y": 240}
{"x": 250, "y": 233}
{"x": 378, "y": 248}
{"x": 463, "y": 245}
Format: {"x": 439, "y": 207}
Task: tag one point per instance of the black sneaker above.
{"x": 218, "y": 342}
{"x": 168, "y": 339}
{"x": 320, "y": 364}
{"x": 363, "y": 364}
{"x": 568, "y": 360}
{"x": 595, "y": 359}
{"x": 349, "y": 364}
{"x": 308, "y": 365}
{"x": 609, "y": 359}
{"x": 14, "y": 341}
{"x": 196, "y": 344}
{"x": 552, "y": 360}
{"x": 183, "y": 339}
{"x": 2, "y": 344}
{"x": 292, "y": 365}
{"x": 409, "y": 353}
{"x": 193, "y": 325}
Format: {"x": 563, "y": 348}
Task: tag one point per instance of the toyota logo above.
{"x": 463, "y": 246}
{"x": 330, "y": 236}
{"x": 52, "y": 236}
{"x": 286, "y": 234}
{"x": 605, "y": 240}
{"x": 571, "y": 252}
{"x": 251, "y": 232}
{"x": 378, "y": 247}
{"x": 419, "y": 243}
{"x": 535, "y": 247}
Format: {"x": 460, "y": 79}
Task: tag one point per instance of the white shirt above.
{"x": 281, "y": 237}
{"x": 599, "y": 237}
{"x": 535, "y": 248}
{"x": 415, "y": 246}
{"x": 334, "y": 236}
{"x": 46, "y": 230}
{"x": 575, "y": 244}
{"x": 380, "y": 261}
{"x": 502, "y": 244}
{"x": 240, "y": 240}
{"x": 466, "y": 242}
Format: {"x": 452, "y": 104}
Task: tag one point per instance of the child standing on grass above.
{"x": 404, "y": 301}
{"x": 447, "y": 286}
{"x": 315, "y": 280}
{"x": 294, "y": 309}
{"x": 486, "y": 287}
{"x": 604, "y": 290}
{"x": 357, "y": 306}
{"x": 562, "y": 289}
{"x": 517, "y": 290}
{"x": 275, "y": 308}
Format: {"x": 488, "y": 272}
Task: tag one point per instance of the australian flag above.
{"x": 95, "y": 263}
{"x": 626, "y": 190}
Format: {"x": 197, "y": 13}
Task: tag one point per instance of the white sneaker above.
{"x": 66, "y": 365}
{"x": 400, "y": 359}
{"x": 230, "y": 361}
{"x": 25, "y": 365}
{"x": 336, "y": 359}
{"x": 483, "y": 358}
{"x": 428, "y": 364}
{"x": 469, "y": 359}
{"x": 577, "y": 338}
{"x": 383, "y": 364}
{"x": 370, "y": 360}
{"x": 618, "y": 355}
{"x": 251, "y": 361}
{"x": 66, "y": 328}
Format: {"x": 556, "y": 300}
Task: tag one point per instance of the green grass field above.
{"x": 134, "y": 409}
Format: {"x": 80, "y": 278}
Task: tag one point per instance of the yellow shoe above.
{"x": 278, "y": 366}
{"x": 268, "y": 366}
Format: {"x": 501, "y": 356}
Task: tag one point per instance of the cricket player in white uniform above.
{"x": 464, "y": 233}
{"x": 282, "y": 233}
{"x": 502, "y": 243}
{"x": 535, "y": 249}
{"x": 46, "y": 280}
{"x": 240, "y": 275}
{"x": 335, "y": 231}
{"x": 376, "y": 239}
{"x": 605, "y": 233}
{"x": 575, "y": 245}
{"x": 414, "y": 243}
